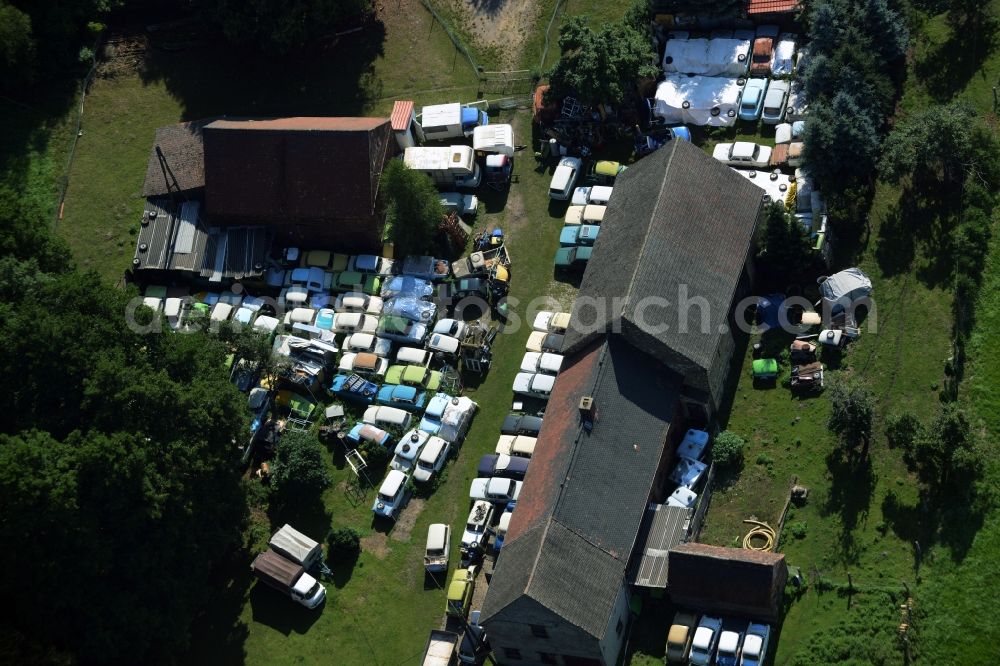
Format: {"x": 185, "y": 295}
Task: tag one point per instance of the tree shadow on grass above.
{"x": 212, "y": 77}
{"x": 280, "y": 612}
{"x": 309, "y": 517}
{"x": 342, "y": 567}
{"x": 29, "y": 117}
{"x": 949, "y": 522}
{"x": 218, "y": 635}
{"x": 948, "y": 67}
{"x": 852, "y": 486}
{"x": 923, "y": 221}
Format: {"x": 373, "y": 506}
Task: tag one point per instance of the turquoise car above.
{"x": 403, "y": 397}
{"x": 573, "y": 258}
{"x": 578, "y": 234}
{"x": 752, "y": 101}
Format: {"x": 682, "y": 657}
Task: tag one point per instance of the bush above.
{"x": 852, "y": 413}
{"x": 798, "y": 529}
{"x": 374, "y": 454}
{"x": 299, "y": 471}
{"x": 344, "y": 543}
{"x": 765, "y": 460}
{"x": 728, "y": 450}
{"x": 903, "y": 429}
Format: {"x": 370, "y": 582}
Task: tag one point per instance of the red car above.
{"x": 760, "y": 63}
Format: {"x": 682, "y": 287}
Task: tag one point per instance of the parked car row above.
{"x": 709, "y": 641}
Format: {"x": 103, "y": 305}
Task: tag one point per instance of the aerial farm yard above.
{"x": 405, "y": 214}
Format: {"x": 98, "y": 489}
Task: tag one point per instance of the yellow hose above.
{"x": 760, "y": 531}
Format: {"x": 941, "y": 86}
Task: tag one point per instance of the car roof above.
{"x": 393, "y": 480}
{"x": 560, "y": 179}
{"x": 431, "y": 449}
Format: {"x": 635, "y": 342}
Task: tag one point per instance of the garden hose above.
{"x": 760, "y": 531}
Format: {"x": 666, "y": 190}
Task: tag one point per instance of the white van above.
{"x": 431, "y": 459}
{"x": 448, "y": 121}
{"x": 391, "y": 417}
{"x": 392, "y": 495}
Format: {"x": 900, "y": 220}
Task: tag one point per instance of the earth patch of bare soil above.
{"x": 376, "y": 544}
{"x": 500, "y": 26}
{"x": 407, "y": 519}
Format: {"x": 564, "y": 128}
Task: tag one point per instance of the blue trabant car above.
{"x": 403, "y": 397}
{"x": 578, "y": 234}
{"x": 752, "y": 101}
{"x": 354, "y": 387}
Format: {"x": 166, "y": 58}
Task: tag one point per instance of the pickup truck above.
{"x": 289, "y": 578}
{"x": 440, "y": 648}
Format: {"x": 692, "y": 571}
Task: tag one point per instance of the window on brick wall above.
{"x": 538, "y": 631}
{"x": 512, "y": 653}
{"x": 547, "y": 658}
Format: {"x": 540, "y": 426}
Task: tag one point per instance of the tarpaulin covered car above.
{"x": 697, "y": 100}
{"x": 843, "y": 289}
{"x": 708, "y": 57}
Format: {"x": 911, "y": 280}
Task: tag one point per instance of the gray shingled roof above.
{"x": 677, "y": 219}
{"x": 602, "y": 479}
{"x": 609, "y": 479}
{"x": 183, "y": 165}
{"x": 562, "y": 571}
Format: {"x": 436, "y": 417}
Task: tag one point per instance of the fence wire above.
{"x": 77, "y": 132}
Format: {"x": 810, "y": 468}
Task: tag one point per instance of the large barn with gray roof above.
{"x": 677, "y": 220}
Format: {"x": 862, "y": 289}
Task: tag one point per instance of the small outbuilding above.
{"x": 729, "y": 581}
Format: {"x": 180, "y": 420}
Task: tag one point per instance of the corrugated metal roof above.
{"x": 402, "y": 113}
{"x": 666, "y": 527}
{"x": 772, "y": 6}
{"x": 245, "y": 248}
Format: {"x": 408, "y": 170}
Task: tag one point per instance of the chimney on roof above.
{"x": 588, "y": 412}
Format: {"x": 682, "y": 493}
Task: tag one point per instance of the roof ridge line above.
{"x": 589, "y": 541}
{"x": 645, "y": 236}
{"x": 538, "y": 553}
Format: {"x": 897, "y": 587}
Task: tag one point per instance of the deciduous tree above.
{"x": 852, "y": 414}
{"x": 413, "y": 208}
{"x": 601, "y": 66}
{"x": 298, "y": 471}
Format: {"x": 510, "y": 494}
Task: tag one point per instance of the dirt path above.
{"x": 404, "y": 526}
